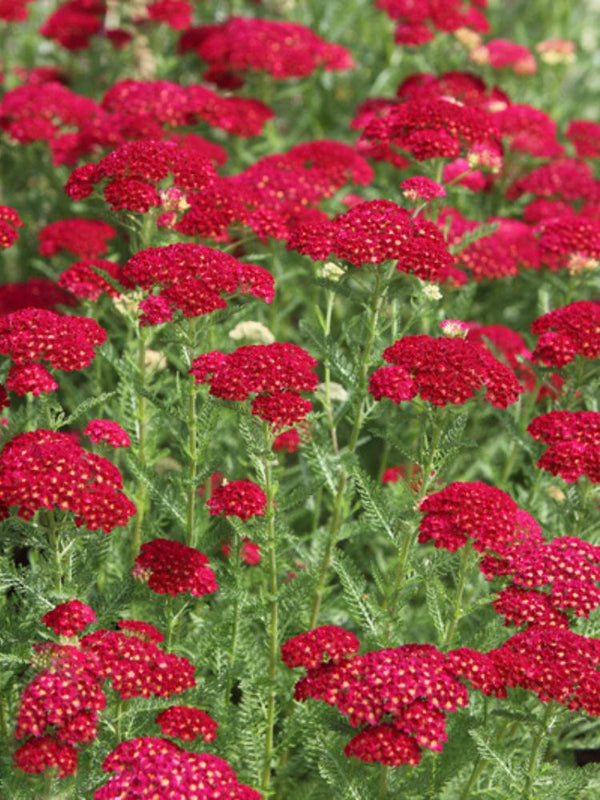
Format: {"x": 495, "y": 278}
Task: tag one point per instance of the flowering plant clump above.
{"x": 47, "y": 470}
{"x": 300, "y": 303}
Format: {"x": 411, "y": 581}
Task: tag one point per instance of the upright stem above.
{"x": 273, "y": 630}
{"x": 465, "y": 560}
{"x": 142, "y": 423}
{"x": 328, "y": 404}
{"x": 381, "y": 281}
{"x": 192, "y": 425}
{"x": 545, "y": 726}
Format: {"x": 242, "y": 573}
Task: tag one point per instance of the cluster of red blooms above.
{"x": 191, "y": 278}
{"x": 561, "y": 178}
{"x": 417, "y": 23}
{"x": 441, "y": 371}
{"x": 501, "y": 53}
{"x": 86, "y": 238}
{"x": 509, "y": 344}
{"x": 584, "y": 135}
{"x": 568, "y": 566}
{"x": 275, "y": 373}
{"x": 33, "y": 334}
{"x": 377, "y": 231}
{"x": 573, "y": 438}
{"x": 70, "y": 618}
{"x": 59, "y": 707}
{"x": 289, "y": 441}
{"x": 409, "y": 474}
{"x": 187, "y": 723}
{"x": 159, "y": 768}
{"x": 169, "y": 567}
{"x": 283, "y": 49}
{"x": 401, "y": 695}
{"x": 476, "y": 512}
{"x": 105, "y": 430}
{"x": 45, "y": 469}
{"x": 249, "y": 551}
{"x": 242, "y": 499}
{"x": 9, "y": 222}
{"x": 134, "y": 169}
{"x": 14, "y": 10}
{"x": 566, "y": 332}
{"x": 83, "y": 280}
{"x": 33, "y": 293}
{"x": 570, "y": 241}
{"x": 137, "y": 667}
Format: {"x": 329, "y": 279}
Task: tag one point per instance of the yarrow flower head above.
{"x": 142, "y": 629}
{"x": 476, "y": 512}
{"x": 46, "y": 469}
{"x": 163, "y": 767}
{"x": 192, "y": 278}
{"x": 442, "y": 371}
{"x": 169, "y": 567}
{"x": 400, "y": 695}
{"x": 566, "y": 332}
{"x": 574, "y": 439}
{"x": 83, "y": 279}
{"x": 105, "y": 430}
{"x": 86, "y": 238}
{"x": 421, "y": 188}
{"x": 187, "y": 723}
{"x": 134, "y": 170}
{"x": 275, "y": 373}
{"x": 373, "y": 232}
{"x": 44, "y": 753}
{"x": 9, "y": 222}
{"x": 283, "y": 49}
{"x": 35, "y": 334}
{"x": 70, "y": 618}
{"x": 242, "y": 499}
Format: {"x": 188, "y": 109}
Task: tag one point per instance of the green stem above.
{"x": 545, "y": 726}
{"x": 465, "y": 561}
{"x": 56, "y": 554}
{"x": 273, "y": 629}
{"x": 381, "y": 282}
{"x": 119, "y": 721}
{"x": 383, "y": 782}
{"x": 142, "y": 423}
{"x": 328, "y": 403}
{"x": 232, "y": 649}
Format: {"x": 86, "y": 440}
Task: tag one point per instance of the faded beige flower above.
{"x": 332, "y": 271}
{"x": 336, "y": 391}
{"x": 253, "y": 331}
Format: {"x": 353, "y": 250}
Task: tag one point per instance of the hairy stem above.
{"x": 141, "y": 429}
{"x": 273, "y": 626}
{"x": 381, "y": 282}
{"x": 545, "y": 726}
{"x": 465, "y": 562}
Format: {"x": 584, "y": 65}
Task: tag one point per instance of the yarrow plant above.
{"x": 299, "y": 304}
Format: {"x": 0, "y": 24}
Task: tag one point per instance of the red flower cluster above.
{"x": 14, "y": 10}
{"x": 191, "y": 278}
{"x": 82, "y": 279}
{"x": 276, "y": 373}
{"x": 500, "y": 53}
{"x": 376, "y": 231}
{"x": 135, "y": 667}
{"x": 288, "y": 441}
{"x": 570, "y": 241}
{"x": 476, "y": 512}
{"x": 33, "y": 293}
{"x": 249, "y": 552}
{"x": 45, "y": 469}
{"x": 431, "y": 127}
{"x": 74, "y": 23}
{"x": 574, "y": 439}
{"x": 166, "y": 770}
{"x": 44, "y": 753}
{"x": 69, "y": 618}
{"x": 33, "y": 334}
{"x": 169, "y": 567}
{"x": 177, "y": 14}
{"x": 509, "y": 344}
{"x": 313, "y": 648}
{"x": 421, "y": 188}
{"x": 529, "y": 129}
{"x": 566, "y": 332}
{"x": 86, "y": 238}
{"x": 584, "y": 135}
{"x": 401, "y": 695}
{"x": 561, "y": 178}
{"x": 105, "y": 430}
{"x": 418, "y": 22}
{"x": 568, "y": 566}
{"x": 242, "y": 499}
{"x": 187, "y": 723}
{"x": 9, "y": 222}
{"x": 144, "y": 630}
{"x": 441, "y": 371}
{"x": 134, "y": 169}
{"x": 283, "y": 49}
